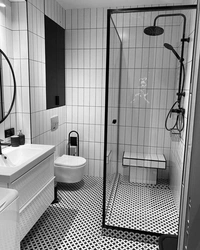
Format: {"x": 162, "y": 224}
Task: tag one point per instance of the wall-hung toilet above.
{"x": 69, "y": 169}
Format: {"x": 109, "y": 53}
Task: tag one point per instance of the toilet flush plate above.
{"x": 54, "y": 123}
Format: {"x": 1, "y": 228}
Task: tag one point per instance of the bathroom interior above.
{"x": 130, "y": 83}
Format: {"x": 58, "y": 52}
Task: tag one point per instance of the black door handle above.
{"x": 114, "y": 121}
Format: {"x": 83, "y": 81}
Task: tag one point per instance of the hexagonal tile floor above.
{"x": 76, "y": 223}
{"x": 144, "y": 207}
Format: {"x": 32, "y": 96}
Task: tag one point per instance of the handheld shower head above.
{"x": 170, "y": 47}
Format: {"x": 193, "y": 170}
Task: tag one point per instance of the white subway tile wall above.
{"x": 141, "y": 121}
{"x": 85, "y": 82}
{"x": 13, "y": 41}
{"x": 40, "y": 117}
{"x": 6, "y": 45}
{"x": 150, "y": 76}
{"x": 113, "y": 99}
{"x": 20, "y": 55}
{"x": 148, "y": 85}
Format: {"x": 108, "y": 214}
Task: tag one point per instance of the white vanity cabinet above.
{"x": 36, "y": 192}
{"x": 36, "y": 189}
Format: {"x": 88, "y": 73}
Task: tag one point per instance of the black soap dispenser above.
{"x": 21, "y": 138}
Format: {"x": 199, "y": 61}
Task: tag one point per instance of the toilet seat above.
{"x": 70, "y": 161}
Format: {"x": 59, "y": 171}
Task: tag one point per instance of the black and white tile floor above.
{"x": 75, "y": 223}
{"x": 143, "y": 207}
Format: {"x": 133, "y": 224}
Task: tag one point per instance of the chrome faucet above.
{"x": 3, "y": 144}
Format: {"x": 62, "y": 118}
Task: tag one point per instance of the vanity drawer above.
{"x": 32, "y": 182}
{"x": 34, "y": 209}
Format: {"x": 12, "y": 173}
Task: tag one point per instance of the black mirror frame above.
{"x": 14, "y": 81}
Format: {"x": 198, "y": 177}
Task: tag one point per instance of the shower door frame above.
{"x": 109, "y": 16}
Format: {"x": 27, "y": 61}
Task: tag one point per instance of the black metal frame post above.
{"x": 106, "y": 110}
{"x": 106, "y": 115}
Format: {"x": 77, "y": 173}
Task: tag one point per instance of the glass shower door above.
{"x": 112, "y": 116}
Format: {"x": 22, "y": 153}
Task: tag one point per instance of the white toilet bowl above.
{"x": 69, "y": 169}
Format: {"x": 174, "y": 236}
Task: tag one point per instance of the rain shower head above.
{"x": 170, "y": 47}
{"x": 153, "y": 31}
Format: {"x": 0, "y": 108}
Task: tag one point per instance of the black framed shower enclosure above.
{"x": 112, "y": 176}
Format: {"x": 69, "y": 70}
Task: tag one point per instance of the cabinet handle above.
{"x": 57, "y": 100}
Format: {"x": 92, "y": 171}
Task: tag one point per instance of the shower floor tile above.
{"x": 76, "y": 223}
{"x": 143, "y": 207}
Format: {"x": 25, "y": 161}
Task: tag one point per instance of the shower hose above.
{"x": 179, "y": 121}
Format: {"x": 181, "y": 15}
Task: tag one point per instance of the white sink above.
{"x": 18, "y": 156}
{"x": 5, "y": 162}
{"x": 16, "y": 161}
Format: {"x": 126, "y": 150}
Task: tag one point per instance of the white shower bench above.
{"x": 143, "y": 167}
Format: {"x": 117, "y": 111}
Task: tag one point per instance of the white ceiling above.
{"x": 80, "y": 4}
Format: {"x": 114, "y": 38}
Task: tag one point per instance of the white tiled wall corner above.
{"x": 14, "y": 44}
{"x": 177, "y": 148}
{"x": 20, "y": 54}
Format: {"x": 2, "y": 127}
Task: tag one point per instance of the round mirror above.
{"x": 7, "y": 86}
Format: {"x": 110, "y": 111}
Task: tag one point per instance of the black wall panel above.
{"x": 55, "y": 64}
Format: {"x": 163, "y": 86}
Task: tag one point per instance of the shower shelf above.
{"x": 144, "y": 160}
